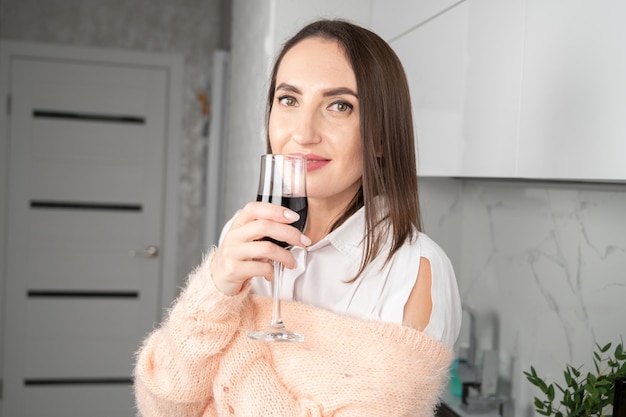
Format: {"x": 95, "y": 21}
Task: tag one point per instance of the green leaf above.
{"x": 605, "y": 348}
{"x": 578, "y": 411}
{"x": 566, "y": 397}
{"x": 568, "y": 377}
{"x": 591, "y": 379}
{"x": 539, "y": 404}
{"x": 551, "y": 393}
{"x": 578, "y": 397}
{"x": 596, "y": 364}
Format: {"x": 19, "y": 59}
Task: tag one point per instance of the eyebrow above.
{"x": 329, "y": 93}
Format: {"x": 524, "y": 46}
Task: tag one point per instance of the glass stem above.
{"x": 277, "y": 318}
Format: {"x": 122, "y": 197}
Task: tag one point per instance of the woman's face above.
{"x": 315, "y": 113}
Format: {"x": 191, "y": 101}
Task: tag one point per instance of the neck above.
{"x": 319, "y": 220}
{"x": 322, "y": 214}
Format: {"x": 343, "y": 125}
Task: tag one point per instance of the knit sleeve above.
{"x": 178, "y": 361}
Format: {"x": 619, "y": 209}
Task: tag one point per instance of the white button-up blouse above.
{"x": 325, "y": 271}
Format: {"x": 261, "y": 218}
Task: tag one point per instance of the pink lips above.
{"x": 314, "y": 162}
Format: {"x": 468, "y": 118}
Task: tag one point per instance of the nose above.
{"x": 306, "y": 128}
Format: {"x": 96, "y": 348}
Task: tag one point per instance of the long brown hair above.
{"x": 387, "y": 137}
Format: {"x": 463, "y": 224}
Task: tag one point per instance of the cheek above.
{"x": 357, "y": 167}
{"x": 356, "y": 150}
{"x": 277, "y": 133}
{"x": 353, "y": 166}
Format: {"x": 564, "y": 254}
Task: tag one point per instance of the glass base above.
{"x": 276, "y": 334}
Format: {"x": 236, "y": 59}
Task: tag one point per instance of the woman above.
{"x": 375, "y": 298}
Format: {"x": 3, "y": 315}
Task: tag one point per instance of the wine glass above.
{"x": 283, "y": 182}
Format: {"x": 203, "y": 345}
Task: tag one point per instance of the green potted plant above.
{"x": 582, "y": 395}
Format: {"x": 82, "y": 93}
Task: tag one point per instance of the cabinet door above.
{"x": 430, "y": 40}
{"x": 495, "y": 38}
{"x": 463, "y": 62}
{"x": 573, "y": 114}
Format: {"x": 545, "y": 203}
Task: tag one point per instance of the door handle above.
{"x": 149, "y": 252}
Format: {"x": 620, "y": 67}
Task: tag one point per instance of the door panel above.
{"x": 86, "y": 189}
{"x": 85, "y": 250}
{"x": 96, "y": 146}
{"x": 66, "y": 85}
{"x": 81, "y": 160}
{"x": 100, "y": 331}
{"x": 59, "y": 140}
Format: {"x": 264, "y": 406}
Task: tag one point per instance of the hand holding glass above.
{"x": 283, "y": 182}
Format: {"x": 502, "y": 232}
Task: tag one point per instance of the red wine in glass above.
{"x": 282, "y": 182}
{"x": 297, "y": 204}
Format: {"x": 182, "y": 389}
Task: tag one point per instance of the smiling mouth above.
{"x": 314, "y": 164}
{"x": 314, "y": 161}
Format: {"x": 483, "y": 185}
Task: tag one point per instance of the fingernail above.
{"x": 305, "y": 240}
{"x": 291, "y": 215}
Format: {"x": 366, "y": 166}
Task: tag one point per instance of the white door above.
{"x": 86, "y": 197}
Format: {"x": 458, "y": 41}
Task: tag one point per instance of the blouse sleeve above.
{"x": 446, "y": 314}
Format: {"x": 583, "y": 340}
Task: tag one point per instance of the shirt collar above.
{"x": 348, "y": 239}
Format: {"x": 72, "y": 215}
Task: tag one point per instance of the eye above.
{"x": 287, "y": 101}
{"x": 342, "y": 106}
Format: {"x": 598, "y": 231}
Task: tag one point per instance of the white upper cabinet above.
{"x": 573, "y": 114}
{"x": 432, "y": 46}
{"x": 515, "y": 89}
{"x": 492, "y": 91}
{"x": 463, "y": 62}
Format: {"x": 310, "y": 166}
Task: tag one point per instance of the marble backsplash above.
{"x": 542, "y": 264}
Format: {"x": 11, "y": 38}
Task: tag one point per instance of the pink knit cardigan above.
{"x": 201, "y": 363}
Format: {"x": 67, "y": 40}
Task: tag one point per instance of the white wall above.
{"x": 249, "y": 61}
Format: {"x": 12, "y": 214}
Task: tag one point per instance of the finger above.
{"x": 263, "y": 250}
{"x": 261, "y": 229}
{"x": 229, "y": 277}
{"x": 257, "y": 268}
{"x": 259, "y": 210}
